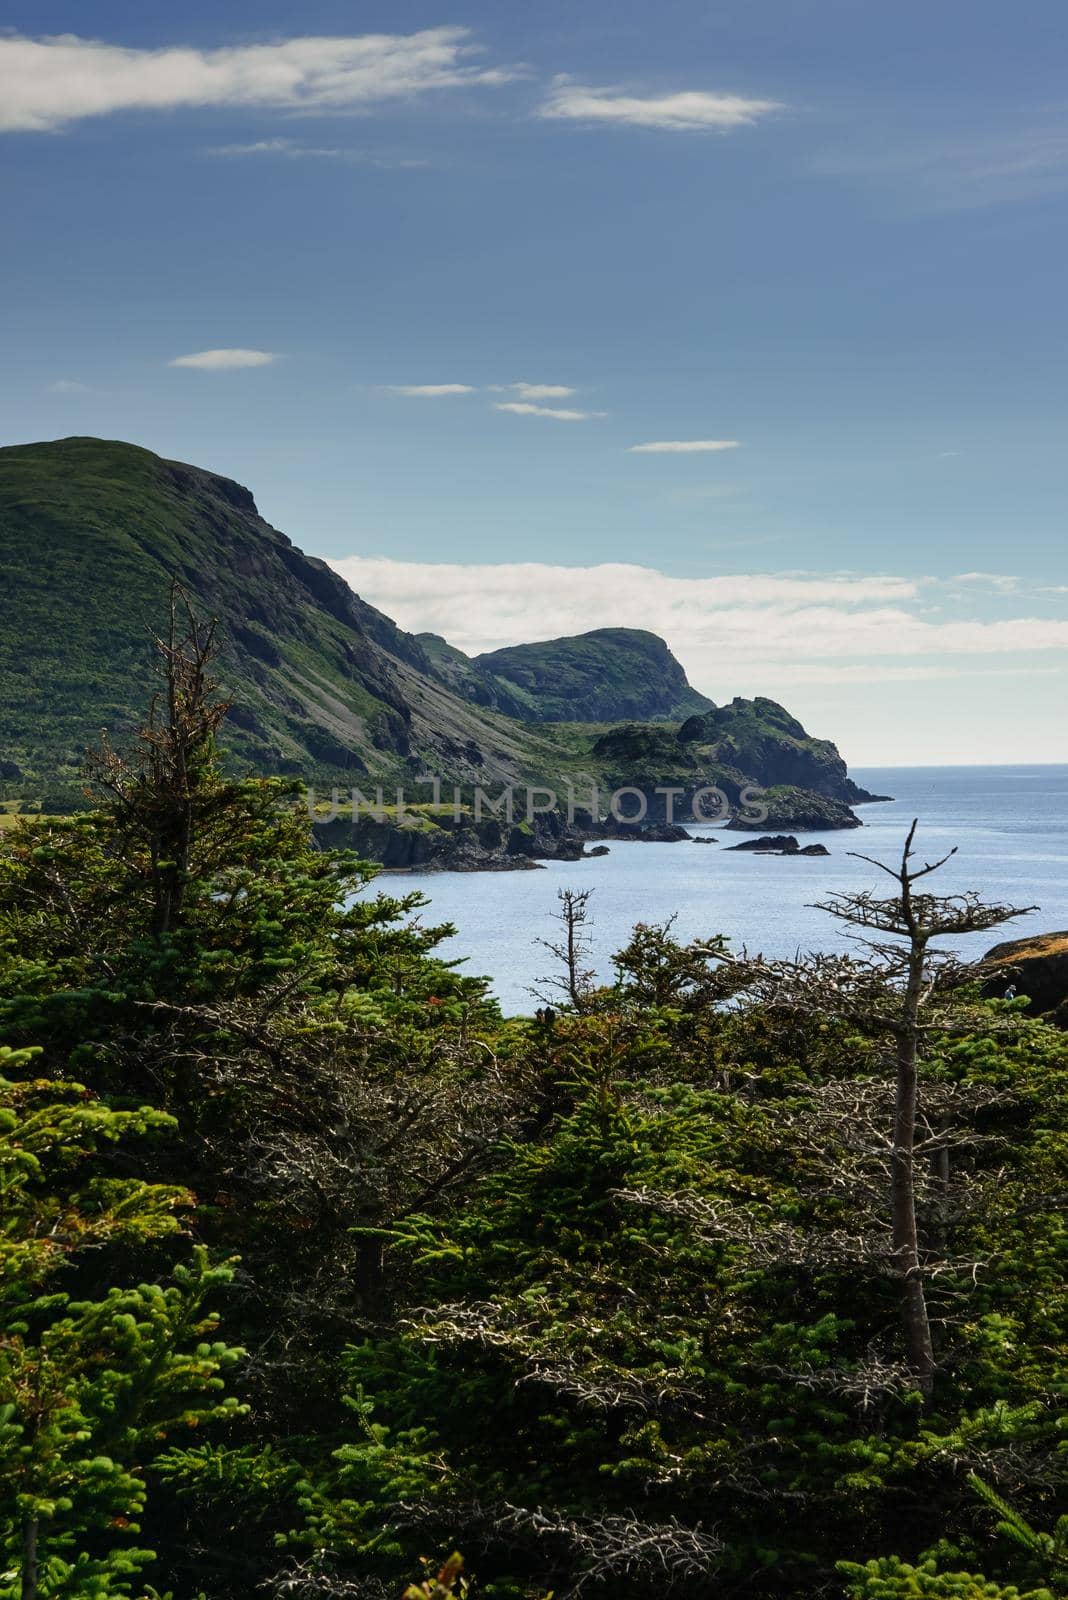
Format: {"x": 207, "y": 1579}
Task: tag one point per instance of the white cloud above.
{"x": 294, "y": 150}
{"x": 729, "y": 632}
{"x": 69, "y": 386}
{"x": 222, "y": 360}
{"x": 275, "y": 147}
{"x": 879, "y": 672}
{"x": 1002, "y": 582}
{"x": 686, "y": 111}
{"x": 523, "y": 408}
{"x": 541, "y": 391}
{"x": 681, "y": 447}
{"x": 48, "y": 82}
{"x": 525, "y": 391}
{"x": 429, "y": 391}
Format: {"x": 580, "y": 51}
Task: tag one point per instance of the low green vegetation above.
{"x": 730, "y": 1278}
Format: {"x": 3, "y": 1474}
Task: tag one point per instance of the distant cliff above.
{"x": 323, "y": 685}
{"x": 607, "y": 675}
{"x": 762, "y": 739}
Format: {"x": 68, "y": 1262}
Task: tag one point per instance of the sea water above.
{"x": 1009, "y": 826}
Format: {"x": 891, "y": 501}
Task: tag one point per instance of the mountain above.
{"x": 607, "y": 675}
{"x": 324, "y": 686}
{"x": 92, "y": 533}
{"x": 761, "y": 738}
{"x": 465, "y": 678}
{"x": 654, "y": 758}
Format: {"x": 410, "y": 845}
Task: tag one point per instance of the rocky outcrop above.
{"x": 437, "y": 839}
{"x": 1036, "y": 967}
{"x": 762, "y": 739}
{"x": 653, "y": 759}
{"x": 780, "y": 844}
{"x": 798, "y": 809}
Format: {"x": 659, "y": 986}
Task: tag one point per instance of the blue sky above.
{"x": 825, "y": 235}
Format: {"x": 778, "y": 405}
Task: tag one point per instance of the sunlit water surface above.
{"x": 1010, "y": 825}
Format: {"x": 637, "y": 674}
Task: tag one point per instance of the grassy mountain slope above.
{"x": 606, "y": 675}
{"x": 91, "y": 534}
{"x": 324, "y": 686}
{"x": 466, "y": 678}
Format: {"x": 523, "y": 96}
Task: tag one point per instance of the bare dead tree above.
{"x": 619, "y": 1551}
{"x": 905, "y": 990}
{"x": 572, "y": 951}
{"x": 159, "y": 794}
{"x": 916, "y": 919}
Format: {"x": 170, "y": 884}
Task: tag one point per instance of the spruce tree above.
{"x": 90, "y": 1388}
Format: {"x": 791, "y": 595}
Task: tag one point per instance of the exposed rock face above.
{"x": 92, "y": 533}
{"x": 469, "y": 680}
{"x": 652, "y": 758}
{"x": 1038, "y": 967}
{"x": 763, "y": 740}
{"x": 800, "y": 809}
{"x": 438, "y": 840}
{"x": 780, "y": 844}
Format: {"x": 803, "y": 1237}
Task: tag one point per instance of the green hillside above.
{"x": 92, "y": 533}
{"x": 762, "y": 739}
{"x": 607, "y": 675}
{"x": 323, "y": 686}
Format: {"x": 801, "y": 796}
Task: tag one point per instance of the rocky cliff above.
{"x": 324, "y": 686}
{"x": 1036, "y": 967}
{"x": 607, "y": 675}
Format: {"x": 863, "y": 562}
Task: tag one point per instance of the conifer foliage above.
{"x": 728, "y": 1277}
{"x": 89, "y": 1387}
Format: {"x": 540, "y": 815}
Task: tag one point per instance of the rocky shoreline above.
{"x": 441, "y": 839}
{"x": 747, "y": 767}
{"x": 444, "y": 841}
{"x": 780, "y": 844}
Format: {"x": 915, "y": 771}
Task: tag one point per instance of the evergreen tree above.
{"x": 89, "y": 1388}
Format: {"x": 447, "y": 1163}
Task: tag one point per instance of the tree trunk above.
{"x": 28, "y": 1587}
{"x": 903, "y": 1187}
{"x": 572, "y": 960}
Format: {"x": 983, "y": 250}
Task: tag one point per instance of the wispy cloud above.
{"x": 221, "y": 360}
{"x": 1001, "y": 582}
{"x": 273, "y": 147}
{"x": 682, "y": 447}
{"x": 294, "y": 150}
{"x": 525, "y": 391}
{"x": 541, "y": 391}
{"x": 686, "y": 111}
{"x": 428, "y": 391}
{"x": 523, "y": 408}
{"x": 69, "y": 386}
{"x": 48, "y": 82}
{"x": 934, "y": 165}
{"x": 745, "y": 629}
{"x": 839, "y": 673}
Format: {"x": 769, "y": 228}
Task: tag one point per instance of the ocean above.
{"x": 1009, "y": 824}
